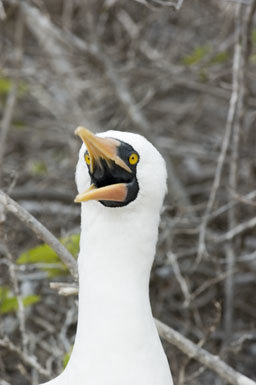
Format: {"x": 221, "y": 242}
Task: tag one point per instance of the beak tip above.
{"x": 78, "y": 130}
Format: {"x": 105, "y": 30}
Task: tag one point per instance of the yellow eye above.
{"x": 133, "y": 159}
{"x": 87, "y": 158}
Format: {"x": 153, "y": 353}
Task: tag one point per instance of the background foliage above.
{"x": 124, "y": 65}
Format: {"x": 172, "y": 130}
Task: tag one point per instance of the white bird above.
{"x": 121, "y": 180}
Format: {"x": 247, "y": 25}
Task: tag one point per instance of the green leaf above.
{"x": 203, "y": 76}
{"x": 253, "y": 59}
{"x": 67, "y": 357}
{"x": 30, "y": 300}
{"x": 4, "y": 292}
{"x": 254, "y": 35}
{"x": 56, "y": 272}
{"x": 19, "y": 124}
{"x": 23, "y": 88}
{"x": 196, "y": 56}
{"x": 45, "y": 254}
{"x": 5, "y": 86}
{"x": 10, "y": 304}
{"x": 38, "y": 168}
{"x": 72, "y": 243}
{"x": 39, "y": 254}
{"x": 221, "y": 57}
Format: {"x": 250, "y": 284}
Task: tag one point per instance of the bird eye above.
{"x": 133, "y": 158}
{"x": 87, "y": 158}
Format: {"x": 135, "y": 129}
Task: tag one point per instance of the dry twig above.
{"x": 2, "y": 11}
{"x": 21, "y": 314}
{"x": 209, "y": 360}
{"x": 11, "y": 100}
{"x": 40, "y": 231}
{"x": 155, "y": 4}
{"x": 31, "y": 361}
{"x": 233, "y": 105}
{"x": 239, "y": 229}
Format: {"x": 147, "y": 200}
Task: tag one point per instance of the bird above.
{"x": 121, "y": 181}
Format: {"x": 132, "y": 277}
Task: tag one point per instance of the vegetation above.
{"x": 186, "y": 80}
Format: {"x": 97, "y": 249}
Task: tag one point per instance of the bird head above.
{"x": 119, "y": 169}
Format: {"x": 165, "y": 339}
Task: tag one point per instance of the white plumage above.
{"x": 117, "y": 342}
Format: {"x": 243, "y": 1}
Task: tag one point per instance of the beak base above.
{"x": 105, "y": 148}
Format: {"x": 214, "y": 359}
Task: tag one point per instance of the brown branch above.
{"x": 53, "y": 43}
{"x": 5, "y": 123}
{"x": 11, "y": 100}
{"x": 34, "y": 193}
{"x": 233, "y": 105}
{"x": 233, "y": 171}
{"x": 29, "y": 360}
{"x": 156, "y": 4}
{"x": 2, "y": 11}
{"x": 20, "y": 312}
{"x": 67, "y": 14}
{"x": 41, "y": 231}
{"x": 179, "y": 277}
{"x": 237, "y": 230}
{"x": 244, "y": 16}
{"x": 207, "y": 359}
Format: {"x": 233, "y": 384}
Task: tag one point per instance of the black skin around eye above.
{"x": 125, "y": 151}
{"x": 109, "y": 173}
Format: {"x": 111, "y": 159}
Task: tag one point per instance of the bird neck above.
{"x": 117, "y": 247}
{"x": 116, "y": 255}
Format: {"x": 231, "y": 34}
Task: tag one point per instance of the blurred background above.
{"x": 186, "y": 80}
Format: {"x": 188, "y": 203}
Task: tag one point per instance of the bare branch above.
{"x": 2, "y": 11}
{"x": 182, "y": 282}
{"x": 233, "y": 176}
{"x": 21, "y": 314}
{"x": 209, "y": 360}
{"x": 40, "y": 231}
{"x": 5, "y": 123}
{"x": 237, "y": 63}
{"x": 67, "y": 14}
{"x": 242, "y": 36}
{"x": 53, "y": 43}
{"x": 29, "y": 360}
{"x": 156, "y": 4}
{"x": 246, "y": 2}
{"x": 64, "y": 288}
{"x": 232, "y": 233}
{"x": 11, "y": 100}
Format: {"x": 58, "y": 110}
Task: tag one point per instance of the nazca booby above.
{"x": 121, "y": 180}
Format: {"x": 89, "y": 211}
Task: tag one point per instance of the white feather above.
{"x": 117, "y": 341}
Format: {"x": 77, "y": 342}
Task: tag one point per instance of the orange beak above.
{"x": 107, "y": 149}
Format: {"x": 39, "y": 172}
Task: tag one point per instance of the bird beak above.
{"x": 105, "y": 148}
{"x": 102, "y": 148}
{"x": 115, "y": 192}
